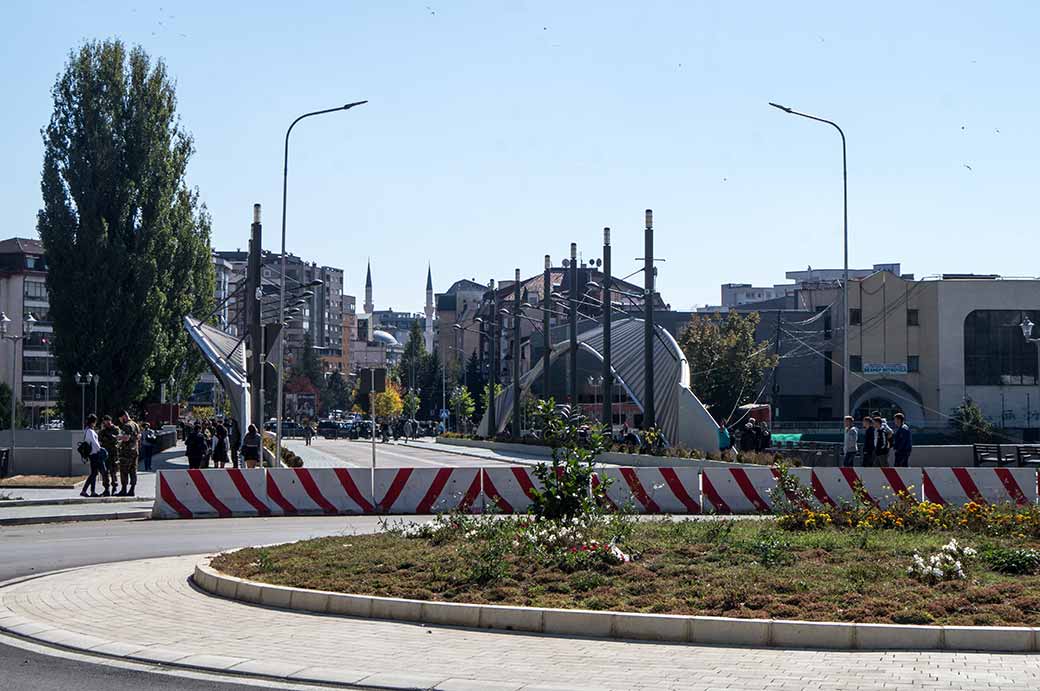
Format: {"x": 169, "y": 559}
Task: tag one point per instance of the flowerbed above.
{"x": 709, "y": 567}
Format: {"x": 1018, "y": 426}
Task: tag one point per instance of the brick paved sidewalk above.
{"x": 148, "y": 610}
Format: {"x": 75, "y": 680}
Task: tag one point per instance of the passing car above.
{"x": 330, "y": 429}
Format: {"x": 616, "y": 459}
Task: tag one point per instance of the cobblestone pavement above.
{"x": 149, "y": 609}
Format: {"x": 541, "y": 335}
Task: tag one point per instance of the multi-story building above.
{"x": 740, "y": 294}
{"x": 23, "y": 290}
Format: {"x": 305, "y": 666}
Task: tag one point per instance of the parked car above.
{"x": 330, "y": 429}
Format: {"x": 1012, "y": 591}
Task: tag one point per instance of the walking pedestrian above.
{"x": 129, "y": 445}
{"x": 234, "y": 441}
{"x": 902, "y": 441}
{"x": 251, "y": 444}
{"x": 220, "y": 446}
{"x": 748, "y": 436}
{"x": 98, "y": 455}
{"x": 869, "y": 441}
{"x": 724, "y": 441}
{"x": 195, "y": 446}
{"x": 109, "y": 438}
{"x": 148, "y": 443}
{"x": 849, "y": 445}
{"x": 407, "y": 430}
{"x": 764, "y": 438}
{"x": 308, "y": 433}
{"x": 883, "y": 441}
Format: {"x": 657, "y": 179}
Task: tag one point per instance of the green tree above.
{"x": 462, "y": 404}
{"x": 475, "y": 382}
{"x": 484, "y": 395}
{"x": 726, "y": 363}
{"x": 5, "y": 408}
{"x": 970, "y": 424}
{"x": 310, "y": 364}
{"x": 126, "y": 239}
{"x": 337, "y": 394}
{"x": 411, "y": 402}
{"x": 409, "y": 369}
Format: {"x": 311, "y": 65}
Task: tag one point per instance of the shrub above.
{"x": 945, "y": 565}
{"x": 1013, "y": 560}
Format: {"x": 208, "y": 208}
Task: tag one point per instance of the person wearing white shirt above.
{"x": 98, "y": 457}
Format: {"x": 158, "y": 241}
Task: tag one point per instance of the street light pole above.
{"x": 845, "y": 279}
{"x": 95, "y": 379}
{"x": 281, "y": 293}
{"x": 14, "y": 338}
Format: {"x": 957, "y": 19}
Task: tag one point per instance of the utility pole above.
{"x": 516, "y": 355}
{"x": 546, "y": 336}
{"x": 493, "y": 374}
{"x": 572, "y": 301}
{"x": 606, "y": 303}
{"x": 649, "y": 417}
{"x": 253, "y": 300}
{"x": 776, "y": 369}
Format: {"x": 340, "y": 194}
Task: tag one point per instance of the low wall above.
{"x": 42, "y": 438}
{"x": 47, "y": 461}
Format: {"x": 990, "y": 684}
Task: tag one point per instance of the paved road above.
{"x": 149, "y": 608}
{"x": 358, "y": 454}
{"x": 27, "y": 550}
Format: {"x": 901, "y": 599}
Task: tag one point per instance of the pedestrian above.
{"x": 407, "y": 430}
{"x": 235, "y": 441}
{"x": 749, "y": 435}
{"x": 220, "y": 446}
{"x": 849, "y": 445}
{"x": 869, "y": 441}
{"x": 148, "y": 443}
{"x": 129, "y": 445}
{"x": 109, "y": 438}
{"x": 724, "y": 441}
{"x": 98, "y": 456}
{"x": 195, "y": 446}
{"x": 251, "y": 444}
{"x": 207, "y": 434}
{"x": 763, "y": 437}
{"x": 882, "y": 442}
{"x": 308, "y": 433}
{"x": 902, "y": 442}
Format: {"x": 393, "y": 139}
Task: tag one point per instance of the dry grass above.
{"x": 723, "y": 568}
{"x": 39, "y": 482}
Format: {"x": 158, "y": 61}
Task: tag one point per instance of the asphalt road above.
{"x": 358, "y": 454}
{"x": 28, "y": 550}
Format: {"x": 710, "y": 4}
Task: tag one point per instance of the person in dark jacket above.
{"x": 195, "y": 447}
{"x": 869, "y": 441}
{"x": 764, "y": 438}
{"x": 882, "y": 441}
{"x": 902, "y": 442}
{"x": 749, "y": 436}
{"x": 220, "y": 446}
{"x": 235, "y": 441}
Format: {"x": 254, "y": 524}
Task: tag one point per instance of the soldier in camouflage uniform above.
{"x": 129, "y": 447}
{"x": 108, "y": 436}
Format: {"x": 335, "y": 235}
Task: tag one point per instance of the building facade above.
{"x": 30, "y": 368}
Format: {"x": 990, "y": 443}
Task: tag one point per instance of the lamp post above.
{"x": 845, "y": 278}
{"x": 83, "y": 380}
{"x": 5, "y": 323}
{"x": 32, "y": 399}
{"x": 95, "y": 379}
{"x": 281, "y": 294}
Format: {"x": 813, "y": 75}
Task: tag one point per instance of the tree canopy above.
{"x": 126, "y": 239}
{"x": 726, "y": 363}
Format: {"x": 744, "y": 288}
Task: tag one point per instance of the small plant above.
{"x": 946, "y": 565}
{"x": 264, "y": 563}
{"x": 771, "y": 550}
{"x": 1016, "y": 560}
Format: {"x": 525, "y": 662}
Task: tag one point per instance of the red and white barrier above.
{"x": 210, "y": 493}
{"x": 330, "y": 491}
{"x": 508, "y": 490}
{"x": 743, "y": 490}
{"x": 834, "y": 486}
{"x": 982, "y": 485}
{"x": 427, "y": 490}
{"x": 653, "y": 490}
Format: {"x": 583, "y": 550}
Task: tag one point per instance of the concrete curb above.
{"x": 75, "y": 518}
{"x": 15, "y": 503}
{"x": 758, "y": 633}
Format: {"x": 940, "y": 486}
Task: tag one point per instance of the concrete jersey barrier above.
{"x": 230, "y": 492}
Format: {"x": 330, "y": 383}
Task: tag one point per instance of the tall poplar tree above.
{"x": 126, "y": 239}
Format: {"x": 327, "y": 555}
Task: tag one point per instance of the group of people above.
{"x": 113, "y": 453}
{"x": 753, "y": 436}
{"x": 878, "y": 440}
{"x": 209, "y": 441}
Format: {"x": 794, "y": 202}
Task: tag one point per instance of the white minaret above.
{"x": 429, "y": 310}
{"x": 369, "y": 307}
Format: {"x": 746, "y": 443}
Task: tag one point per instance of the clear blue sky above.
{"x": 499, "y": 131}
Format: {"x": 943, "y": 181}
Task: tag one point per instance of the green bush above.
{"x": 1013, "y": 560}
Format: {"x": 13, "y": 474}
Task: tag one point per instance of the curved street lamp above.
{"x": 845, "y": 281}
{"x": 281, "y": 293}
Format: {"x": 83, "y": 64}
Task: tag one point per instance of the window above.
{"x": 913, "y": 363}
{"x": 855, "y": 316}
{"x": 855, "y": 363}
{"x": 995, "y": 353}
{"x": 38, "y": 365}
{"x": 913, "y": 318}
{"x": 828, "y": 377}
{"x": 35, "y": 290}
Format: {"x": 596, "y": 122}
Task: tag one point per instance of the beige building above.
{"x": 925, "y": 346}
